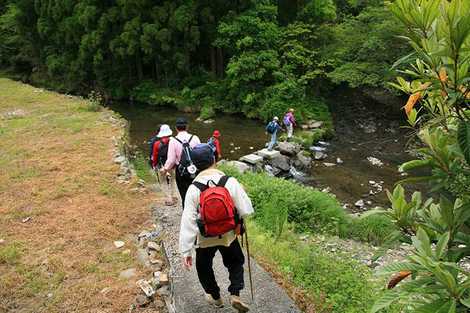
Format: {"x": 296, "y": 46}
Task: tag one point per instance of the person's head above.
{"x": 165, "y": 131}
{"x": 291, "y": 110}
{"x": 202, "y": 156}
{"x": 216, "y": 134}
{"x": 276, "y": 119}
{"x": 181, "y": 124}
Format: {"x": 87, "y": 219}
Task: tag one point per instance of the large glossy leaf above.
{"x": 463, "y": 137}
{"x": 386, "y": 300}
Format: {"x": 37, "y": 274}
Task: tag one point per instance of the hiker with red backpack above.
{"x": 159, "y": 157}
{"x": 215, "y": 206}
{"x": 214, "y": 141}
{"x": 179, "y": 157}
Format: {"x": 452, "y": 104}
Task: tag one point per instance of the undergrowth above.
{"x": 331, "y": 282}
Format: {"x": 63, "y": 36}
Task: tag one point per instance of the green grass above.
{"x": 10, "y": 254}
{"x": 333, "y": 282}
{"x": 142, "y": 168}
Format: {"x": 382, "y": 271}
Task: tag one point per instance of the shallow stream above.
{"x": 363, "y": 129}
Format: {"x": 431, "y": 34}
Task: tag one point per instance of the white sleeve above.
{"x": 240, "y": 198}
{"x": 188, "y": 228}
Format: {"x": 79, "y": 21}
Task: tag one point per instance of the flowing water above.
{"x": 363, "y": 129}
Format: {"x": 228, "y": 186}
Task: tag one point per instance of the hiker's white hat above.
{"x": 276, "y": 118}
{"x": 165, "y": 131}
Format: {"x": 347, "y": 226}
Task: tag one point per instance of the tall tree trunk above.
{"x": 157, "y": 70}
{"x": 287, "y": 11}
{"x": 213, "y": 60}
{"x": 220, "y": 63}
{"x": 140, "y": 72}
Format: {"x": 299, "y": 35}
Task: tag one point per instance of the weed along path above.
{"x": 62, "y": 207}
{"x": 188, "y": 295}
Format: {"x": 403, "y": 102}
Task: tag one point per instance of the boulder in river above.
{"x": 302, "y": 161}
{"x": 282, "y": 162}
{"x": 240, "y": 166}
{"x": 320, "y": 155}
{"x": 289, "y": 148}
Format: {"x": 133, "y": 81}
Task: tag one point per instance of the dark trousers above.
{"x": 183, "y": 183}
{"x": 233, "y": 260}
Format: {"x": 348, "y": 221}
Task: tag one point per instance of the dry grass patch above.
{"x": 61, "y": 208}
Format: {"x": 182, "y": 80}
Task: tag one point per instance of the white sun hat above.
{"x": 165, "y": 131}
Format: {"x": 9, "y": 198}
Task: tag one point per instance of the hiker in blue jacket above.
{"x": 272, "y": 128}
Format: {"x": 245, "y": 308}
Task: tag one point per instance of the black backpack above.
{"x": 186, "y": 166}
{"x": 162, "y": 153}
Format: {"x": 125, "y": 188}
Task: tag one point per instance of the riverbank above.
{"x": 62, "y": 207}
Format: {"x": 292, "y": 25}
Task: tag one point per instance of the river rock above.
{"x": 128, "y": 274}
{"x": 119, "y": 244}
{"x": 289, "y": 148}
{"x": 119, "y": 159}
{"x": 375, "y": 161}
{"x": 329, "y": 164}
{"x": 271, "y": 170}
{"x": 315, "y": 124}
{"x": 239, "y": 166}
{"x": 320, "y": 155}
{"x": 282, "y": 162}
{"x": 251, "y": 159}
{"x": 317, "y": 149}
{"x": 359, "y": 203}
{"x": 142, "y": 300}
{"x": 303, "y": 161}
{"x": 265, "y": 153}
{"x": 146, "y": 287}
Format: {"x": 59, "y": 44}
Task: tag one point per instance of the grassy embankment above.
{"x": 319, "y": 279}
{"x": 61, "y": 208}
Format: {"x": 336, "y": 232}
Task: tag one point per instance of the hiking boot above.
{"x": 217, "y": 303}
{"x": 238, "y": 305}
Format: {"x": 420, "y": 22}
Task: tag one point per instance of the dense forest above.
{"x": 252, "y": 56}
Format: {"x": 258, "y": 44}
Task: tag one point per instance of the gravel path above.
{"x": 188, "y": 295}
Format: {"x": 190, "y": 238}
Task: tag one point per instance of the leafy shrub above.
{"x": 277, "y": 201}
{"x": 149, "y": 92}
{"x": 374, "y": 229}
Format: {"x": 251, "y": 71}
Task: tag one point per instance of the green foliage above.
{"x": 277, "y": 201}
{"x": 436, "y": 285}
{"x": 463, "y": 138}
{"x": 360, "y": 50}
{"x": 375, "y": 229}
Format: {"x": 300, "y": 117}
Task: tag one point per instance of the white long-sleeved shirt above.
{"x": 190, "y": 237}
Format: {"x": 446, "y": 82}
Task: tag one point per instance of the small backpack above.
{"x": 186, "y": 165}
{"x": 271, "y": 128}
{"x": 287, "y": 120}
{"x": 217, "y": 214}
{"x": 151, "y": 143}
{"x": 162, "y": 152}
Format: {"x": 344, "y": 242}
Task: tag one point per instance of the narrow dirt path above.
{"x": 188, "y": 294}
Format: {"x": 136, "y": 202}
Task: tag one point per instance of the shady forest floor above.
{"x": 61, "y": 207}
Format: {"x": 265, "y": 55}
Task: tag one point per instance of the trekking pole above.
{"x": 249, "y": 265}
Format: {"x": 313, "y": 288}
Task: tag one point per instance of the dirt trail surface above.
{"x": 62, "y": 208}
{"x": 188, "y": 293}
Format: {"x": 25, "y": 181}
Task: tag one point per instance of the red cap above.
{"x": 216, "y": 133}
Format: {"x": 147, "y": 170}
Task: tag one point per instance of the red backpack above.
{"x": 217, "y": 213}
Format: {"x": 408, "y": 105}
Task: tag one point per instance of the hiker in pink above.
{"x": 289, "y": 122}
{"x": 209, "y": 225}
